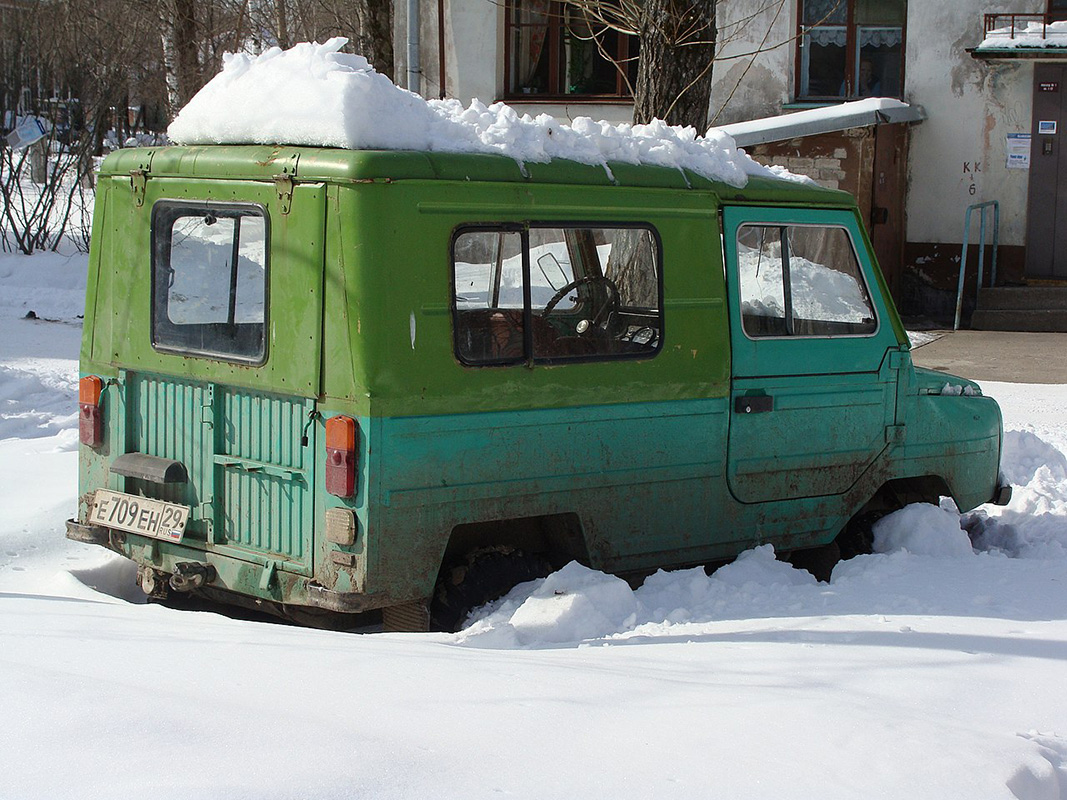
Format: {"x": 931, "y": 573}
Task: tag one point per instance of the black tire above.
{"x": 819, "y": 561}
{"x": 481, "y": 577}
{"x": 857, "y": 539}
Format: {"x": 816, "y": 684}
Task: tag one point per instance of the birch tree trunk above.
{"x": 674, "y": 69}
{"x": 375, "y": 41}
{"x": 181, "y": 63}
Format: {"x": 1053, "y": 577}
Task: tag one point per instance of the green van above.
{"x": 320, "y": 380}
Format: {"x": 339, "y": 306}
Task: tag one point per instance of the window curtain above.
{"x": 869, "y": 37}
{"x": 533, "y": 30}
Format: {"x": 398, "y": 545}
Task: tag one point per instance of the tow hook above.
{"x": 190, "y": 575}
{"x": 152, "y": 582}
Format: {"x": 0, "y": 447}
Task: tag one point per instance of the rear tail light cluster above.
{"x": 90, "y": 415}
{"x": 341, "y": 456}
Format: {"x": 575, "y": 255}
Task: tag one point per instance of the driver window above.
{"x": 593, "y": 293}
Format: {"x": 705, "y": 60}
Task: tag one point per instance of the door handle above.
{"x": 753, "y": 404}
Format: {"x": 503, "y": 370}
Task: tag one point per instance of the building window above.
{"x": 851, "y": 49}
{"x": 553, "y": 49}
{"x": 1057, "y": 9}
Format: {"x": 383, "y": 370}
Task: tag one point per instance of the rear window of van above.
{"x": 209, "y": 280}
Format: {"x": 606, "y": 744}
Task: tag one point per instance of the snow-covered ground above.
{"x": 936, "y": 669}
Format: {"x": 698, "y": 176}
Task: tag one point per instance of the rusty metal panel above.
{"x": 166, "y": 418}
{"x": 264, "y": 474}
{"x": 887, "y": 222}
{"x": 250, "y": 480}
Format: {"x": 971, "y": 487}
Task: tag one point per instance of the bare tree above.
{"x": 677, "y": 52}
{"x": 179, "y": 36}
{"x": 375, "y": 37}
{"x": 680, "y": 41}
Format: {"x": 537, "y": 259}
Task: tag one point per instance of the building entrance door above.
{"x": 1046, "y": 226}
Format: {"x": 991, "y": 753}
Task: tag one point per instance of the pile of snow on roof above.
{"x": 314, "y": 95}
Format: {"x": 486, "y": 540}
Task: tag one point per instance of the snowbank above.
{"x": 927, "y": 559}
{"x": 924, "y": 530}
{"x": 314, "y": 95}
{"x": 757, "y": 676}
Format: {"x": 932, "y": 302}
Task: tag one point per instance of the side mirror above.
{"x": 550, "y": 268}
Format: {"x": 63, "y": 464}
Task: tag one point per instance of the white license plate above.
{"x": 139, "y": 515}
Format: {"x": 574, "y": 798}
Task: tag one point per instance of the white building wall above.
{"x": 971, "y": 105}
{"x": 474, "y": 50}
{"x": 753, "y": 72}
{"x": 957, "y": 156}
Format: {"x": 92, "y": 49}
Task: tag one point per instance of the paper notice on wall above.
{"x": 1018, "y": 151}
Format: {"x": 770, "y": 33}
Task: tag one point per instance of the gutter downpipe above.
{"x": 441, "y": 47}
{"x": 414, "y": 62}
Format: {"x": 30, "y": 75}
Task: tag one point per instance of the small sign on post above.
{"x": 30, "y": 130}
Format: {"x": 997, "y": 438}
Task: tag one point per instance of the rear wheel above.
{"x": 819, "y": 561}
{"x": 480, "y": 577}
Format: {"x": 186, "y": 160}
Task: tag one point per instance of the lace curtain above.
{"x": 869, "y": 37}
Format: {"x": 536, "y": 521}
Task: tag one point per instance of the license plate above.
{"x": 141, "y": 515}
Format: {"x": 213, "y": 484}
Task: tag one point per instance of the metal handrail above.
{"x": 992, "y": 22}
{"x": 981, "y": 251}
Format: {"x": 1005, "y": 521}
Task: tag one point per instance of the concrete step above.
{"x": 1004, "y": 298}
{"x": 1046, "y": 320}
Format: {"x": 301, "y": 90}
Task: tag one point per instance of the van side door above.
{"x": 812, "y": 395}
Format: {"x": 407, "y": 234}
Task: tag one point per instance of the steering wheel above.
{"x": 611, "y": 304}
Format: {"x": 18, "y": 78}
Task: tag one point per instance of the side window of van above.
{"x": 801, "y": 280}
{"x": 209, "y": 280}
{"x": 550, "y": 293}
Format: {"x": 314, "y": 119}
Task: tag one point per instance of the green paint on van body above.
{"x": 642, "y": 463}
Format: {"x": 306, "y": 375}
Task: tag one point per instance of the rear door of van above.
{"x": 217, "y": 337}
{"x": 813, "y": 392}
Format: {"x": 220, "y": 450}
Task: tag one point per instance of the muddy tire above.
{"x": 819, "y": 561}
{"x": 481, "y": 577}
{"x": 857, "y": 539}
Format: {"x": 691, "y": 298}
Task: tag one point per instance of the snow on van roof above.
{"x": 312, "y": 94}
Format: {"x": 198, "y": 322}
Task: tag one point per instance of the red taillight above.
{"x": 90, "y": 417}
{"x": 341, "y": 456}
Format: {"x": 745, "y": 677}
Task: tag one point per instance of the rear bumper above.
{"x": 88, "y": 534}
{"x": 319, "y": 596}
{"x": 1002, "y": 494}
{"x": 259, "y": 582}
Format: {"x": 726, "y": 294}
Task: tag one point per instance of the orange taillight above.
{"x": 341, "y": 456}
{"x": 90, "y": 416}
{"x": 89, "y": 389}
